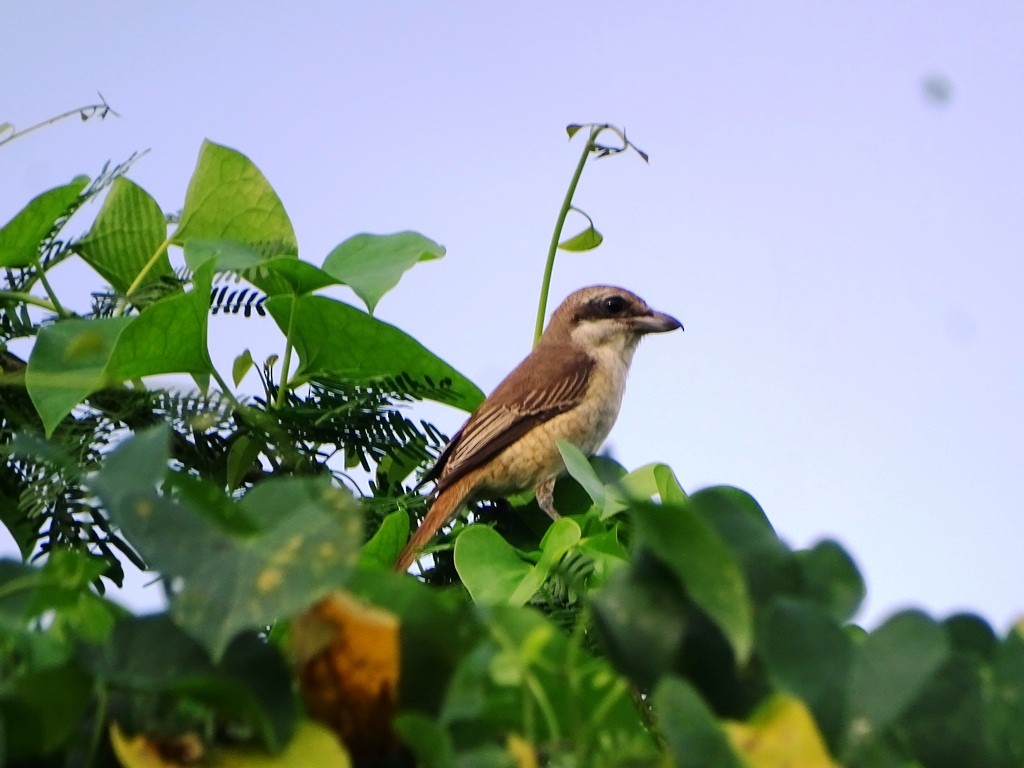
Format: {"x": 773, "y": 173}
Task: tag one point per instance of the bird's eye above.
{"x": 614, "y": 305}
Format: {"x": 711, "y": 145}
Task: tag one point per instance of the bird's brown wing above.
{"x": 540, "y": 388}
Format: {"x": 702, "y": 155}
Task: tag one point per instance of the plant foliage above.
{"x": 646, "y": 627}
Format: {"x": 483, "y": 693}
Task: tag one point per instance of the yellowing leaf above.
{"x": 780, "y": 734}
{"x": 521, "y": 751}
{"x": 312, "y": 745}
{"x": 348, "y": 656}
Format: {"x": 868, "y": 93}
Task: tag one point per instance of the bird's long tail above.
{"x": 441, "y": 511}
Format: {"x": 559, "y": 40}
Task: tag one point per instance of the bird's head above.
{"x": 604, "y": 316}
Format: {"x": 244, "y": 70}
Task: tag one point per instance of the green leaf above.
{"x": 383, "y": 548}
{"x": 373, "y": 264}
{"x": 273, "y": 276}
{"x": 68, "y": 363}
{"x": 286, "y": 275}
{"x": 489, "y": 567}
{"x": 586, "y": 240}
{"x": 127, "y": 232}
{"x": 307, "y": 547}
{"x": 944, "y": 726}
{"x": 228, "y": 198}
{"x": 693, "y": 735}
{"x": 309, "y": 551}
{"x": 572, "y": 129}
{"x": 42, "y": 711}
{"x": 679, "y": 536}
{"x": 168, "y": 336}
{"x": 641, "y": 485}
{"x": 1005, "y": 700}
{"x": 561, "y": 536}
{"x": 23, "y": 530}
{"x": 21, "y": 237}
{"x": 429, "y": 743}
{"x": 768, "y": 564}
{"x": 242, "y": 457}
{"x": 970, "y": 634}
{"x": 363, "y": 349}
{"x": 642, "y": 617}
{"x": 889, "y": 671}
{"x": 831, "y": 577}
{"x": 74, "y": 358}
{"x": 806, "y": 653}
{"x": 251, "y": 687}
{"x": 578, "y": 467}
{"x": 241, "y": 366}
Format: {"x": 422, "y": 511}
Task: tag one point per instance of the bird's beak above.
{"x": 655, "y": 322}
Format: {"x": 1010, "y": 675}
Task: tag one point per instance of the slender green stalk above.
{"x": 86, "y": 112}
{"x": 99, "y": 724}
{"x": 49, "y": 291}
{"x": 146, "y": 270}
{"x": 225, "y": 388}
{"x": 28, "y": 298}
{"x": 556, "y": 235}
{"x": 286, "y": 360}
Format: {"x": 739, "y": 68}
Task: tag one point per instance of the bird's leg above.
{"x": 545, "y": 497}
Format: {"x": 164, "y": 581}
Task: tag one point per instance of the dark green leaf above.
{"x": 1005, "y": 701}
{"x": 252, "y": 685}
{"x": 971, "y": 634}
{"x": 683, "y": 540}
{"x": 242, "y": 457}
{"x": 361, "y": 348}
{"x": 944, "y": 725}
{"x": 383, "y": 548}
{"x": 890, "y": 670}
{"x": 426, "y": 739}
{"x": 373, "y": 264}
{"x": 642, "y": 618}
{"x": 42, "y": 710}
{"x": 572, "y": 129}
{"x": 21, "y": 237}
{"x": 738, "y": 519}
{"x": 694, "y": 737}
{"x": 831, "y": 577}
{"x": 127, "y": 233}
{"x": 806, "y": 653}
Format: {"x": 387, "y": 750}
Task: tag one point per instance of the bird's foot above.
{"x": 545, "y": 497}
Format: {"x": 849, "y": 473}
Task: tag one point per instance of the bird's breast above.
{"x": 535, "y": 456}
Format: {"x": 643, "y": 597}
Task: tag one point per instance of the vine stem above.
{"x": 556, "y": 235}
{"x": 286, "y": 360}
{"x": 160, "y": 251}
{"x": 49, "y": 291}
{"x": 85, "y": 112}
{"x": 28, "y": 298}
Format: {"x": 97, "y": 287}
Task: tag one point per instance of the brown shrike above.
{"x": 570, "y": 387}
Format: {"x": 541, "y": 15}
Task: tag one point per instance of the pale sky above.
{"x": 844, "y": 249}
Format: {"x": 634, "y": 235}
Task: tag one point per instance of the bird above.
{"x": 569, "y": 387}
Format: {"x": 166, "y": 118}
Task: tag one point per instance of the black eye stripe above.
{"x": 604, "y": 307}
